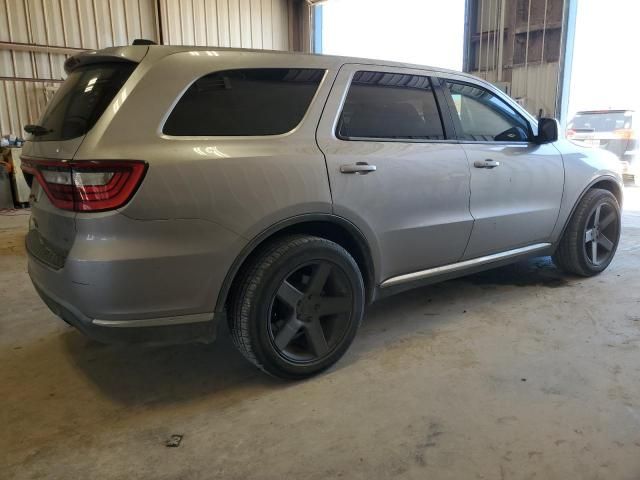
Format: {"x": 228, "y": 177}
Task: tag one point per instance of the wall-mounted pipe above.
{"x": 501, "y": 40}
{"x": 27, "y": 47}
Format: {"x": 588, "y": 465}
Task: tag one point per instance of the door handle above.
{"x": 359, "y": 168}
{"x": 488, "y": 163}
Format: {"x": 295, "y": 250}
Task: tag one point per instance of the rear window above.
{"x": 601, "y": 121}
{"x": 247, "y": 102}
{"x": 387, "y": 105}
{"x": 82, "y": 99}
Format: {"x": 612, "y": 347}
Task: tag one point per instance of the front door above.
{"x": 392, "y": 171}
{"x": 516, "y": 185}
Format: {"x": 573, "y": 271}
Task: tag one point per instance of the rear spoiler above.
{"x": 129, "y": 54}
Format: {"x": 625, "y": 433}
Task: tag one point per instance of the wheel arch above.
{"x": 606, "y": 182}
{"x": 328, "y": 226}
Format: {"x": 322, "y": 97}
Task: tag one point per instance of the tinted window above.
{"x": 267, "y": 101}
{"x": 485, "y": 117}
{"x": 600, "y": 121}
{"x": 82, "y": 99}
{"x": 390, "y": 105}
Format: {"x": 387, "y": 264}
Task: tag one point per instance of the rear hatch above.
{"x": 608, "y": 129}
{"x": 94, "y": 79}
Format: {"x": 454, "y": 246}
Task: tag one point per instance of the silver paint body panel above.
{"x": 167, "y": 253}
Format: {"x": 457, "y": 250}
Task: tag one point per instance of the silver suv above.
{"x": 174, "y": 188}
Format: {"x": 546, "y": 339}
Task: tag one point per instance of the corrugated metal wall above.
{"x": 535, "y": 86}
{"x": 260, "y": 24}
{"x": 48, "y": 31}
{"x": 517, "y": 44}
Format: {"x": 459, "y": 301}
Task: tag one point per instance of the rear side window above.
{"x": 385, "y": 105}
{"x": 82, "y": 99}
{"x": 247, "y": 102}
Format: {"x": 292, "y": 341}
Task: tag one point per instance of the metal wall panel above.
{"x": 536, "y": 86}
{"x": 226, "y": 23}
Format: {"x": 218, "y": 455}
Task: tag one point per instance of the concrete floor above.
{"x": 517, "y": 373}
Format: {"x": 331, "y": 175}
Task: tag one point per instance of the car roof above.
{"x": 597, "y": 112}
{"x": 134, "y": 52}
{"x": 322, "y": 58}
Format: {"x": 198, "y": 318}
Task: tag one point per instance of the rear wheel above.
{"x": 591, "y": 238}
{"x": 297, "y": 306}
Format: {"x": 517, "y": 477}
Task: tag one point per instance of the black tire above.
{"x": 283, "y": 315}
{"x": 575, "y": 252}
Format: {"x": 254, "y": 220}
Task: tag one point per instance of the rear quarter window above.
{"x": 245, "y": 102}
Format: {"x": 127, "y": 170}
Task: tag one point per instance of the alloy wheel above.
{"x": 310, "y": 312}
{"x": 601, "y": 233}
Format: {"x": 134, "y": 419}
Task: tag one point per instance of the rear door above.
{"x": 516, "y": 185}
{"x": 393, "y": 171}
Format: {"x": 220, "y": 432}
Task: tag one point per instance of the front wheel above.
{"x": 591, "y": 238}
{"x": 297, "y": 306}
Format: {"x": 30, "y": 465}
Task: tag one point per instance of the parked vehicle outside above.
{"x": 177, "y": 188}
{"x": 614, "y": 130}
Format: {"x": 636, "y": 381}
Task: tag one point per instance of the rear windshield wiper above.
{"x": 37, "y": 130}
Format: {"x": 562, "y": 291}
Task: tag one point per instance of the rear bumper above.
{"x": 162, "y": 330}
{"x": 125, "y": 280}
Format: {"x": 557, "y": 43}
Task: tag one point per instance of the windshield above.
{"x": 601, "y": 121}
{"x": 82, "y": 99}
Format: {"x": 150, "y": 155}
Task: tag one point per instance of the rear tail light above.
{"x": 87, "y": 186}
{"x": 570, "y": 133}
{"x": 624, "y": 133}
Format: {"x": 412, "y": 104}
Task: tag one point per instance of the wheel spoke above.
{"x": 334, "y": 305}
{"x": 594, "y": 252}
{"x": 596, "y": 218}
{"x": 287, "y": 333}
{"x": 607, "y": 220}
{"x": 315, "y": 336}
{"x": 319, "y": 279}
{"x": 588, "y": 236}
{"x": 289, "y": 294}
{"x": 605, "y": 242}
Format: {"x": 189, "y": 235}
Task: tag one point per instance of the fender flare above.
{"x": 274, "y": 229}
{"x": 601, "y": 178}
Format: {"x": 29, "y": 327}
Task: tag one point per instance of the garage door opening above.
{"x": 426, "y": 32}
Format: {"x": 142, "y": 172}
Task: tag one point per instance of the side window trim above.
{"x": 446, "y": 115}
{"x": 434, "y": 83}
{"x": 457, "y": 125}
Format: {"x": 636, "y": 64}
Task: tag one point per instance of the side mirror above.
{"x": 548, "y": 129}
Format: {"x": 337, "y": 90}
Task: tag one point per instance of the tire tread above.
{"x": 567, "y": 254}
{"x": 250, "y": 281}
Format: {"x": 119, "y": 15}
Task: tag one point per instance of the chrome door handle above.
{"x": 488, "y": 163}
{"x": 359, "y": 168}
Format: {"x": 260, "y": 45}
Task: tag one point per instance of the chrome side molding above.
{"x": 452, "y": 267}
{"x": 155, "y": 322}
